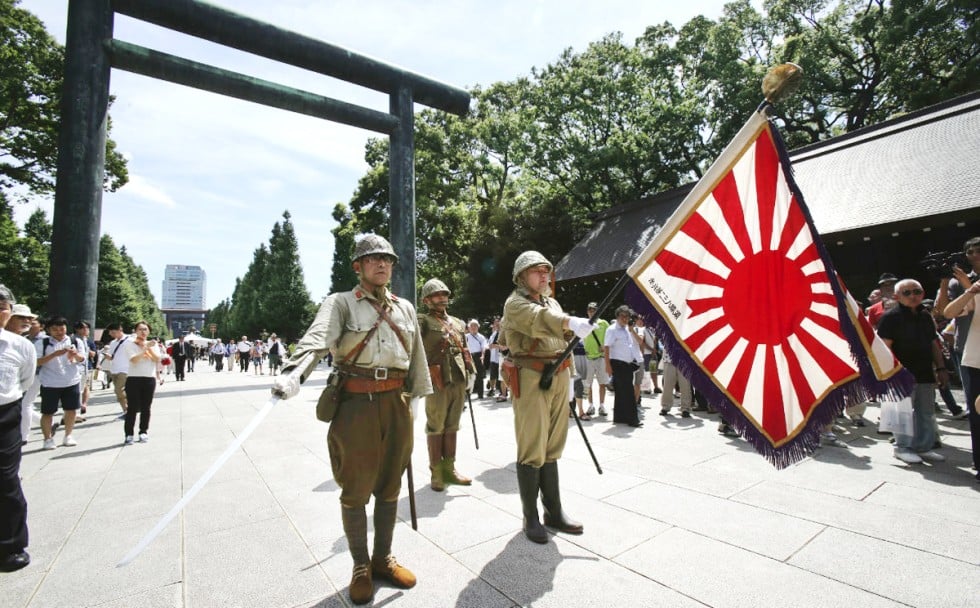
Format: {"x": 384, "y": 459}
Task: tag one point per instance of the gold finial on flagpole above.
{"x": 781, "y": 81}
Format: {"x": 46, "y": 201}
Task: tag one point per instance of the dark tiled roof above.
{"x": 923, "y": 164}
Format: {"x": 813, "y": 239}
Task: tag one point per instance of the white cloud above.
{"x": 140, "y": 187}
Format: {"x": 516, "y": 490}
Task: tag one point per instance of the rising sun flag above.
{"x": 750, "y": 309}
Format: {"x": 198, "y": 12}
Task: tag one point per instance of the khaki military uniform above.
{"x": 532, "y": 330}
{"x": 448, "y": 366}
{"x": 370, "y": 438}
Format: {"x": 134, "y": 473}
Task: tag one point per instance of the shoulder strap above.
{"x": 45, "y": 344}
{"x": 118, "y": 345}
{"x": 467, "y": 356}
{"x": 353, "y": 353}
{"x": 383, "y": 314}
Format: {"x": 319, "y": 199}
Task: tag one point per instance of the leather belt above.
{"x": 374, "y": 373}
{"x": 355, "y": 384}
{"x": 538, "y": 365}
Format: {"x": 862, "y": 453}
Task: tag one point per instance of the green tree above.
{"x": 537, "y": 158}
{"x": 342, "y": 275}
{"x": 31, "y": 74}
{"x": 11, "y": 266}
{"x": 272, "y": 295}
{"x": 147, "y": 308}
{"x": 116, "y": 295}
{"x": 35, "y": 254}
{"x": 286, "y": 301}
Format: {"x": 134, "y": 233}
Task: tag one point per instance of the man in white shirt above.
{"x": 244, "y": 346}
{"x": 118, "y": 366}
{"x": 476, "y": 343}
{"x": 623, "y": 357}
{"x": 18, "y": 360}
{"x": 58, "y": 357}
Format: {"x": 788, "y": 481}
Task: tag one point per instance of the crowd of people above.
{"x": 386, "y": 357}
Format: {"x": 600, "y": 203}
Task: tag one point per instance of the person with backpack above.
{"x": 58, "y": 358}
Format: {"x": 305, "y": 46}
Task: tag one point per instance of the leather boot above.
{"x": 435, "y": 462}
{"x": 554, "y": 516}
{"x": 528, "y": 480}
{"x": 450, "y": 474}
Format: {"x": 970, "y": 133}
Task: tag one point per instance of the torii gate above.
{"x": 91, "y": 52}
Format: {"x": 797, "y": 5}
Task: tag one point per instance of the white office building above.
{"x": 184, "y": 288}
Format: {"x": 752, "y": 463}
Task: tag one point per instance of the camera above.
{"x": 940, "y": 264}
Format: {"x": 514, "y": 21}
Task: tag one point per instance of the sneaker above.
{"x": 963, "y": 414}
{"x": 144, "y": 437}
{"x": 727, "y": 430}
{"x": 664, "y": 412}
{"x": 69, "y": 441}
{"x": 129, "y": 440}
{"x": 907, "y": 457}
{"x": 591, "y": 410}
{"x": 602, "y": 411}
{"x": 931, "y": 456}
{"x": 657, "y": 391}
{"x": 49, "y": 444}
{"x": 685, "y": 414}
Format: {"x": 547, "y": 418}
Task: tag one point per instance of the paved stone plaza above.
{"x": 681, "y": 516}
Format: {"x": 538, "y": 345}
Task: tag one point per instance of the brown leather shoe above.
{"x": 389, "y": 568}
{"x": 361, "y": 586}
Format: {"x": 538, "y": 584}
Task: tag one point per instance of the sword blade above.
{"x": 215, "y": 467}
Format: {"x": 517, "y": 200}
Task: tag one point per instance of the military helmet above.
{"x": 371, "y": 244}
{"x": 434, "y": 286}
{"x": 527, "y": 260}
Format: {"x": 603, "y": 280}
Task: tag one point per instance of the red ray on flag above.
{"x": 750, "y": 307}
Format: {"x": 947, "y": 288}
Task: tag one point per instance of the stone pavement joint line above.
{"x": 681, "y": 516}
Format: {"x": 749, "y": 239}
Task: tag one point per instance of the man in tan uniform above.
{"x": 378, "y": 353}
{"x": 534, "y": 329}
{"x": 449, "y": 363}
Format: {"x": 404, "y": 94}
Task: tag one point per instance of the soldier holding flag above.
{"x": 534, "y": 329}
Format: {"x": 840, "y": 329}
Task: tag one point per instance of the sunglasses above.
{"x": 911, "y": 292}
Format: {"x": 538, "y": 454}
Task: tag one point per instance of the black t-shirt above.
{"x": 912, "y": 333}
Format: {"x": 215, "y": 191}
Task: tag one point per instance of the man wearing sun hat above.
{"x": 19, "y": 323}
{"x": 886, "y": 284}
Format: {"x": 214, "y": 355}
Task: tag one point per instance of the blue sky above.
{"x": 210, "y": 175}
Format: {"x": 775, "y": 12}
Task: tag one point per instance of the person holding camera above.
{"x": 967, "y": 357}
{"x": 142, "y": 354}
{"x": 623, "y": 357}
{"x": 58, "y": 356}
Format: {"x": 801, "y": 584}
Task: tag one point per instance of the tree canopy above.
{"x": 31, "y": 75}
{"x": 272, "y": 296}
{"x": 538, "y": 157}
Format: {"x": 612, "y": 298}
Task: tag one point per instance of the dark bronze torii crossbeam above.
{"x": 91, "y": 52}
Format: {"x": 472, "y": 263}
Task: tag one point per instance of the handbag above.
{"x": 896, "y": 417}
